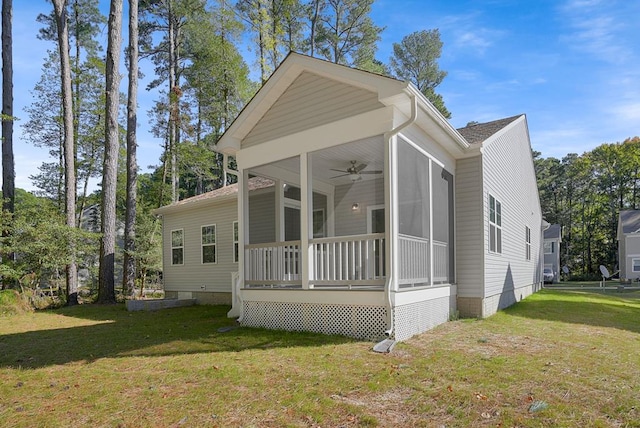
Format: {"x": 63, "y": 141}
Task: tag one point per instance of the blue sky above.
{"x": 572, "y": 66}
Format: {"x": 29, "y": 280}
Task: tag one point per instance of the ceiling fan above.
{"x": 354, "y": 171}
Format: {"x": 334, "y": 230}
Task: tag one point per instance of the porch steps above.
{"x": 157, "y": 304}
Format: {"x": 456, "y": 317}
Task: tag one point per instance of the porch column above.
{"x": 306, "y": 222}
{"x": 243, "y": 221}
{"x": 431, "y": 246}
{"x": 279, "y": 207}
{"x": 391, "y": 211}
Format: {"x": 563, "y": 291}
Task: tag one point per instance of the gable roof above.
{"x": 629, "y": 220}
{"x": 389, "y": 92}
{"x": 553, "y": 232}
{"x": 229, "y": 192}
{"x": 479, "y": 132}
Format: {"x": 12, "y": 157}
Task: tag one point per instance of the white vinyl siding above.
{"x": 262, "y": 206}
{"x": 470, "y": 230}
{"x": 177, "y": 247}
{"x": 194, "y": 275}
{"x": 208, "y": 243}
{"x": 311, "y": 101}
{"x": 509, "y": 176}
{"x": 365, "y": 193}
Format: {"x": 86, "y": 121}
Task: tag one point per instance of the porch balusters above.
{"x": 349, "y": 261}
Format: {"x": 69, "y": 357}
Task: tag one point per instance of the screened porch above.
{"x": 345, "y": 242}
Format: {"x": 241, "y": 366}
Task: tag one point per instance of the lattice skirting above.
{"x": 360, "y": 322}
{"x": 419, "y": 317}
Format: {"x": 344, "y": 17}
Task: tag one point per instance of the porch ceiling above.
{"x": 368, "y": 151}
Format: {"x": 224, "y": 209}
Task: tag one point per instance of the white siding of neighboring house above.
{"x": 632, "y": 251}
{"x": 509, "y": 176}
{"x": 622, "y": 254}
{"x": 193, "y": 275}
{"x": 310, "y": 101}
{"x": 470, "y": 246}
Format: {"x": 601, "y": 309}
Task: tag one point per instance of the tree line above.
{"x": 585, "y": 194}
{"x": 192, "y": 50}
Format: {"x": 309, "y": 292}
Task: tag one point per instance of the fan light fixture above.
{"x": 354, "y": 172}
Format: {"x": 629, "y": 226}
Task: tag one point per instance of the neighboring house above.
{"x": 629, "y": 244}
{"x": 552, "y": 240}
{"x": 376, "y": 216}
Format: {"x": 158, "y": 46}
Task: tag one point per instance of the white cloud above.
{"x": 473, "y": 40}
{"x": 598, "y": 30}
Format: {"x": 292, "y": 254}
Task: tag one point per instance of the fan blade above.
{"x": 360, "y": 167}
{"x": 371, "y": 172}
{"x": 341, "y": 175}
{"x": 338, "y": 170}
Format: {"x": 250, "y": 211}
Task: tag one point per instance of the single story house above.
{"x": 359, "y": 210}
{"x": 629, "y": 244}
{"x": 552, "y": 240}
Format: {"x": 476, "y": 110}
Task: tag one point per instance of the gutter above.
{"x": 389, "y": 283}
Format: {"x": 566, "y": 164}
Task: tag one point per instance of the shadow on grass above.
{"x": 600, "y": 309}
{"x": 113, "y": 332}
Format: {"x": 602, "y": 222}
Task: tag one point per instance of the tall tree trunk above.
{"x": 60, "y": 10}
{"x": 313, "y": 26}
{"x": 173, "y": 107}
{"x": 106, "y": 282}
{"x": 8, "y": 166}
{"x": 129, "y": 265}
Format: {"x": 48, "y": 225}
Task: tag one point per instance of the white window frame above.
{"x": 549, "y": 245}
{"x": 495, "y": 225}
{"x": 527, "y": 238}
{"x": 370, "y": 210}
{"x": 633, "y": 265}
{"x": 177, "y": 247}
{"x": 213, "y": 244}
{"x": 236, "y": 245}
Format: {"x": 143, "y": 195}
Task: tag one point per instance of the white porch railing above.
{"x": 341, "y": 262}
{"x": 273, "y": 264}
{"x": 414, "y": 261}
{"x": 345, "y": 262}
{"x": 349, "y": 261}
{"x": 440, "y": 262}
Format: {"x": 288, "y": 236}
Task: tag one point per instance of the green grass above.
{"x": 558, "y": 358}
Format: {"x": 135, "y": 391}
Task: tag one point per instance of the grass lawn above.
{"x": 558, "y": 358}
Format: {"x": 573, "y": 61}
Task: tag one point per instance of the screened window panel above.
{"x": 413, "y": 191}
{"x": 262, "y": 215}
{"x": 442, "y": 189}
{"x": 291, "y": 224}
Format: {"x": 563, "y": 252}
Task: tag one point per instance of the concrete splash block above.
{"x": 157, "y": 304}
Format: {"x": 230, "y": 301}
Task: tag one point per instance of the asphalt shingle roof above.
{"x": 630, "y": 220}
{"x": 255, "y": 183}
{"x": 479, "y": 132}
{"x": 553, "y": 232}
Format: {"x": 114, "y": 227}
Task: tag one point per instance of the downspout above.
{"x": 235, "y": 292}
{"x": 226, "y": 170}
{"x": 390, "y": 276}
